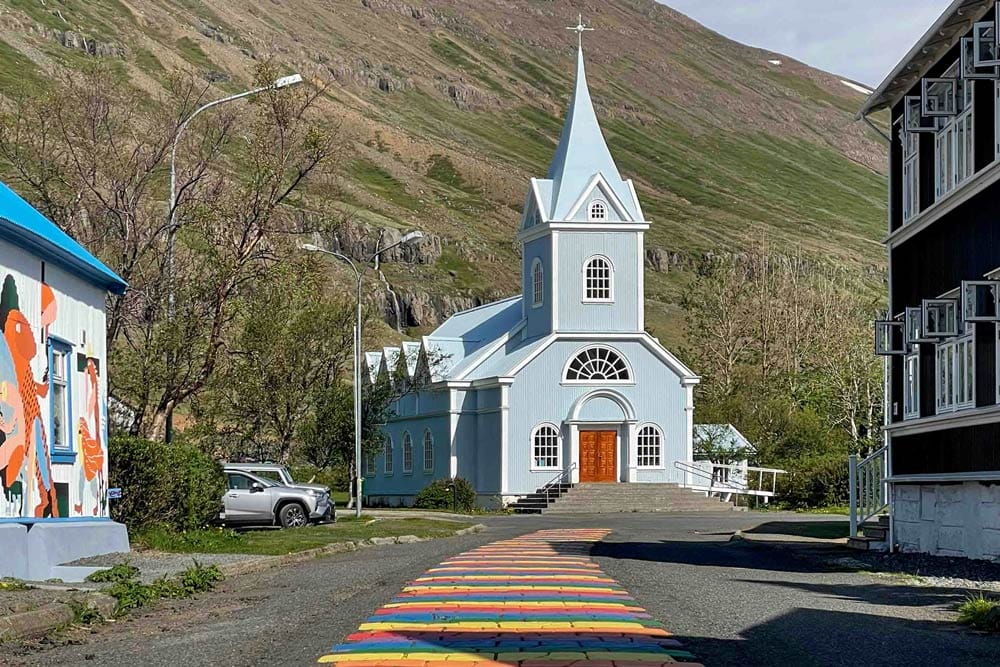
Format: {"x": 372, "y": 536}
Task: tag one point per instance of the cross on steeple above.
{"x": 579, "y": 29}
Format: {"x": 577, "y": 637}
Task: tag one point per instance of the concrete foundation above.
{"x": 49, "y": 544}
{"x": 14, "y": 543}
{"x": 960, "y": 519}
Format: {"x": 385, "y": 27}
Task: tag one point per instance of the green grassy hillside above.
{"x": 452, "y": 105}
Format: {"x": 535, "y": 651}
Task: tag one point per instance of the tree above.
{"x": 294, "y": 340}
{"x": 95, "y": 158}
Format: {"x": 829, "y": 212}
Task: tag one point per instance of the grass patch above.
{"x": 277, "y": 542}
{"x": 192, "y": 52}
{"x": 17, "y": 72}
{"x": 980, "y": 612}
{"x": 822, "y": 530}
{"x": 380, "y": 182}
{"x": 13, "y": 585}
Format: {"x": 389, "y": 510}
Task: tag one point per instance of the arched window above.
{"x": 597, "y": 278}
{"x": 537, "y": 283}
{"x": 428, "y": 452}
{"x": 598, "y": 211}
{"x": 545, "y": 447}
{"x": 407, "y": 452}
{"x": 388, "y": 455}
{"x": 650, "y": 447}
{"x": 598, "y": 364}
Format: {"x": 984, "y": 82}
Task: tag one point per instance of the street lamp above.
{"x": 359, "y": 275}
{"x": 282, "y": 82}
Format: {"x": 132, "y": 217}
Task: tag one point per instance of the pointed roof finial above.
{"x": 579, "y": 29}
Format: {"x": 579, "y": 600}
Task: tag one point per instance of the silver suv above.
{"x": 276, "y": 473}
{"x": 250, "y": 499}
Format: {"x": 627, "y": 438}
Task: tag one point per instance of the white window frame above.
{"x": 371, "y": 464}
{"x": 537, "y": 283}
{"x": 428, "y": 451}
{"x": 955, "y": 374}
{"x": 536, "y": 433}
{"x": 932, "y": 305}
{"x": 955, "y": 139}
{"x": 407, "y": 453}
{"x": 889, "y": 338}
{"x": 388, "y": 465}
{"x": 911, "y": 174}
{"x": 593, "y": 216}
{"x": 971, "y": 302}
{"x": 641, "y": 455}
{"x": 931, "y": 90}
{"x": 968, "y": 68}
{"x": 573, "y": 357}
{"x": 911, "y": 385}
{"x": 598, "y": 286}
{"x": 60, "y": 397}
{"x": 913, "y": 120}
{"x": 984, "y": 39}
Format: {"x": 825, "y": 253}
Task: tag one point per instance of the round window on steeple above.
{"x": 598, "y": 211}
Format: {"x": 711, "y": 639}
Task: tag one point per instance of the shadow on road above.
{"x": 826, "y": 637}
{"x": 707, "y": 554}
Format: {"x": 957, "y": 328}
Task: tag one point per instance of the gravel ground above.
{"x": 730, "y": 602}
{"x": 930, "y": 570}
{"x": 155, "y": 564}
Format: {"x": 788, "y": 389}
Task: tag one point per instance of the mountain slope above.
{"x": 453, "y": 105}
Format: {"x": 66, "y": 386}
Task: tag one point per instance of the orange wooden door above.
{"x": 598, "y": 456}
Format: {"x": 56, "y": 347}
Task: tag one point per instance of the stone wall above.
{"x": 948, "y": 519}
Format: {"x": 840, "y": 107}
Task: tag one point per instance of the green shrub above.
{"x": 175, "y": 485}
{"x": 438, "y": 495}
{"x": 336, "y": 478}
{"x": 980, "y": 612}
{"x": 815, "y": 482}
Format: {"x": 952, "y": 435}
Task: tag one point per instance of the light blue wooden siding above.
{"x": 624, "y": 251}
{"x": 537, "y": 396}
{"x": 539, "y": 319}
{"x": 408, "y": 484}
{"x": 583, "y": 214}
{"x": 487, "y": 478}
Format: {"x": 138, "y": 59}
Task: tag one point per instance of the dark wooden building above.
{"x": 941, "y": 332}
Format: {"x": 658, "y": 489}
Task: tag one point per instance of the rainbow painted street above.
{"x": 533, "y": 601}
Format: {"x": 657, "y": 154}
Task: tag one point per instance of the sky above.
{"x": 859, "y": 39}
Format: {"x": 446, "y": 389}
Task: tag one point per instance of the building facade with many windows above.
{"x": 941, "y": 333}
{"x": 559, "y": 382}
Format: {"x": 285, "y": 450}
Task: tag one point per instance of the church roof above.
{"x": 581, "y": 155}
{"x": 464, "y": 335}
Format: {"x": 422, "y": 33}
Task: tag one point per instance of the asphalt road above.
{"x": 731, "y": 603}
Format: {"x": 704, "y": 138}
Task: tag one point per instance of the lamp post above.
{"x": 282, "y": 82}
{"x": 359, "y": 275}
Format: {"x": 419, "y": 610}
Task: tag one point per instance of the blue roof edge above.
{"x": 94, "y": 271}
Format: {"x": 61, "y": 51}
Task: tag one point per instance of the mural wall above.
{"x": 53, "y": 444}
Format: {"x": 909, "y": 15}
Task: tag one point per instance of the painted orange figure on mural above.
{"x": 90, "y": 442}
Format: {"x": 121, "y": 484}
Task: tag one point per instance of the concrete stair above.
{"x": 537, "y": 502}
{"x": 873, "y": 535}
{"x": 618, "y": 498}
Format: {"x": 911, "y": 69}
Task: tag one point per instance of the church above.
{"x": 560, "y": 384}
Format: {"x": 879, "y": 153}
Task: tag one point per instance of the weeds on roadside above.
{"x": 13, "y": 585}
{"x": 980, "y": 612}
{"x": 132, "y": 594}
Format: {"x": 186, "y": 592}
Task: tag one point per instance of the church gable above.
{"x": 599, "y": 203}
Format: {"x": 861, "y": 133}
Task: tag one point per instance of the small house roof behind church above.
{"x": 721, "y": 437}
{"x": 26, "y": 227}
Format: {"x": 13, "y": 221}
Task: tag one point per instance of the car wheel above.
{"x": 293, "y": 515}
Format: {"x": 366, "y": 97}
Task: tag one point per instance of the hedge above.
{"x": 175, "y": 485}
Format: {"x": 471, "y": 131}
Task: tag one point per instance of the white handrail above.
{"x": 732, "y": 478}
{"x": 558, "y": 479}
{"x": 868, "y": 489}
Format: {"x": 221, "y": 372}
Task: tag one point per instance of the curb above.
{"x": 50, "y": 616}
{"x": 269, "y": 562}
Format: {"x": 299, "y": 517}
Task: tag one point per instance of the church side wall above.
{"x": 625, "y": 252}
{"x": 538, "y": 396}
{"x": 540, "y": 317}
